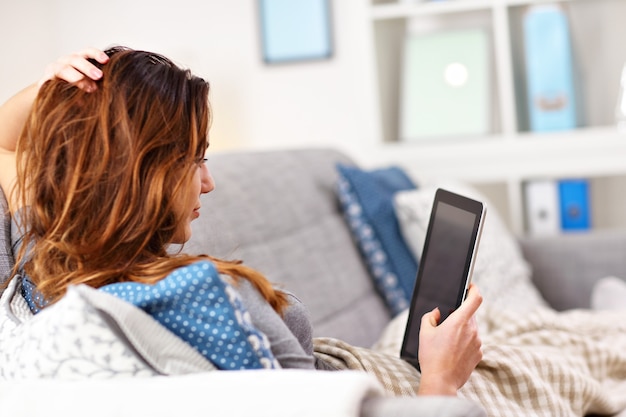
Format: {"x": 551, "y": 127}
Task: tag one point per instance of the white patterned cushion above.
{"x": 501, "y": 273}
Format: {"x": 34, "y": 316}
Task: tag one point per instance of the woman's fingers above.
{"x": 448, "y": 353}
{"x": 469, "y": 307}
{"x": 96, "y": 54}
{"x": 77, "y": 69}
{"x": 80, "y": 62}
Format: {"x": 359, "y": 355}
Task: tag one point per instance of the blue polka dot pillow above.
{"x": 195, "y": 304}
{"x": 366, "y": 199}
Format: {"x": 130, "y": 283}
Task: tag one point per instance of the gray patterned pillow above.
{"x": 87, "y": 334}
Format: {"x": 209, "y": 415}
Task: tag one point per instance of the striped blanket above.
{"x": 542, "y": 364}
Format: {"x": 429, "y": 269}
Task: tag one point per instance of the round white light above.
{"x": 456, "y": 74}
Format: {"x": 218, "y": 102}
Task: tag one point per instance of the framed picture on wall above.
{"x": 295, "y": 30}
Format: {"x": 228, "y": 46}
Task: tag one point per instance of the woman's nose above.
{"x": 207, "y": 183}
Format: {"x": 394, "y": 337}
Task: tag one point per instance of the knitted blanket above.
{"x": 542, "y": 364}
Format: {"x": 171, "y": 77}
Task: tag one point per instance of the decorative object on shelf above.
{"x": 445, "y": 85}
{"x": 620, "y": 108}
{"x": 549, "y": 69}
{"x": 295, "y": 30}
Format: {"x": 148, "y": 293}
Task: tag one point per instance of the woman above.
{"x": 103, "y": 161}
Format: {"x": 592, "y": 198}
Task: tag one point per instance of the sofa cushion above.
{"x": 115, "y": 339}
{"x": 278, "y": 212}
{"x": 195, "y": 304}
{"x": 566, "y": 266}
{"x": 500, "y": 271}
{"x": 367, "y": 202}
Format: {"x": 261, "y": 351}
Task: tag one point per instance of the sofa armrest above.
{"x": 264, "y": 393}
{"x": 440, "y": 406}
{"x": 566, "y": 267}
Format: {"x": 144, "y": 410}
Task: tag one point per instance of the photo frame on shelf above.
{"x": 445, "y": 85}
{"x": 293, "y": 31}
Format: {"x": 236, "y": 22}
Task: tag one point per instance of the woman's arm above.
{"x": 449, "y": 352}
{"x": 73, "y": 68}
{"x": 285, "y": 345}
{"x": 13, "y": 115}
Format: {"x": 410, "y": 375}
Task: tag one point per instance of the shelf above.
{"x": 406, "y": 9}
{"x": 502, "y": 20}
{"x": 582, "y": 152}
{"x": 403, "y": 10}
{"x": 510, "y": 155}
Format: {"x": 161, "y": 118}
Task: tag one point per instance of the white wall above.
{"x": 329, "y": 102}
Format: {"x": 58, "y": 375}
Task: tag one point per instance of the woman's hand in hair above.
{"x": 73, "y": 68}
{"x": 449, "y": 352}
{"x": 77, "y": 69}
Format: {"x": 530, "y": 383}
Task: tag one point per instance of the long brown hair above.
{"x": 100, "y": 172}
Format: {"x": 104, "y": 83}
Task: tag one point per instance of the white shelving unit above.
{"x": 500, "y": 162}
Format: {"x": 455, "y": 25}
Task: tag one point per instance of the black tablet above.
{"x": 446, "y": 265}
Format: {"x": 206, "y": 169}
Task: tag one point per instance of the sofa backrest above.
{"x": 278, "y": 212}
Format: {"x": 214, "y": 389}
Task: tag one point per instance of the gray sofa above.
{"x": 278, "y": 211}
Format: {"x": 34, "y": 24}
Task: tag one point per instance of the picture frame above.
{"x": 295, "y": 30}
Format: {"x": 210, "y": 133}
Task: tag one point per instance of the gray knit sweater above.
{"x": 290, "y": 336}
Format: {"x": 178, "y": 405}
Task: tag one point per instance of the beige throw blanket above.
{"x": 542, "y": 364}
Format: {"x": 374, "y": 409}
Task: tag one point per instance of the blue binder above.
{"x": 549, "y": 69}
{"x": 574, "y": 201}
